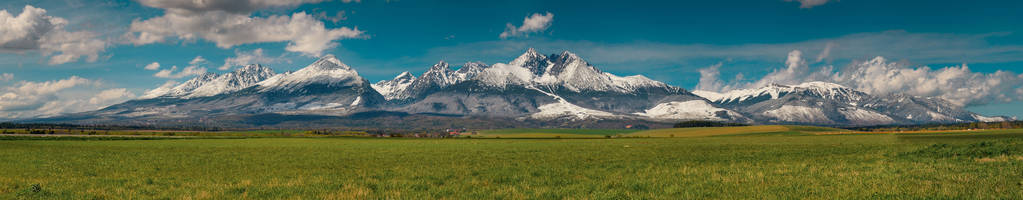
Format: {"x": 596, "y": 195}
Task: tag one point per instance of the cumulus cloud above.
{"x": 233, "y": 6}
{"x": 709, "y": 78}
{"x": 879, "y": 76}
{"x": 796, "y": 71}
{"x": 198, "y": 60}
{"x": 532, "y": 24}
{"x": 229, "y": 23}
{"x": 6, "y": 77}
{"x": 242, "y": 58}
{"x": 956, "y": 84}
{"x": 809, "y": 3}
{"x": 33, "y": 30}
{"x": 152, "y": 66}
{"x": 195, "y": 67}
{"x": 187, "y": 71}
{"x": 74, "y": 94}
{"x": 110, "y": 95}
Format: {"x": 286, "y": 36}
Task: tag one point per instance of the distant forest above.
{"x": 937, "y": 127}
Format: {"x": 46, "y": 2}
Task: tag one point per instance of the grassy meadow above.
{"x": 767, "y": 162}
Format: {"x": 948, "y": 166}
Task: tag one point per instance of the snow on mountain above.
{"x": 327, "y": 70}
{"x": 775, "y": 91}
{"x": 863, "y": 116}
{"x": 575, "y": 74}
{"x": 562, "y": 109}
{"x": 688, "y": 110}
{"x": 182, "y": 89}
{"x": 989, "y": 119}
{"x": 239, "y": 79}
{"x": 800, "y": 114}
{"x": 395, "y": 88}
{"x": 566, "y": 70}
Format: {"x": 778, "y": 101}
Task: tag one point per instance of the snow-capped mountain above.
{"x": 395, "y": 88}
{"x": 183, "y": 89}
{"x": 239, "y": 79}
{"x": 210, "y": 84}
{"x": 533, "y": 85}
{"x": 829, "y": 103}
{"x": 326, "y": 87}
{"x": 560, "y": 88}
{"x": 328, "y": 71}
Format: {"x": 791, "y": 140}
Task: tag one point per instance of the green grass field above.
{"x": 674, "y": 132}
{"x": 775, "y": 162}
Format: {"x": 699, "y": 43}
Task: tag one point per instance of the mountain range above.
{"x": 534, "y": 89}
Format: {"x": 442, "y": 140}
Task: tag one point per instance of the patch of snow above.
{"x": 502, "y": 75}
{"x": 789, "y": 113}
{"x": 688, "y": 110}
{"x": 939, "y": 117}
{"x": 564, "y": 109}
{"x": 321, "y": 106}
{"x": 861, "y": 116}
{"x": 989, "y": 119}
{"x": 357, "y": 100}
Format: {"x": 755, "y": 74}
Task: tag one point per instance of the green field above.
{"x": 768, "y": 162}
{"x": 674, "y": 132}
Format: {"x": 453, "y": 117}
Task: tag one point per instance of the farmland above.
{"x": 729, "y": 162}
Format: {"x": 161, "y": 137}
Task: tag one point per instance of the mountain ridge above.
{"x": 561, "y": 89}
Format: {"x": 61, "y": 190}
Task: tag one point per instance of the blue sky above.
{"x": 669, "y": 41}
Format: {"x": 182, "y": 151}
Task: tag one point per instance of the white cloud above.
{"x": 532, "y": 24}
{"x": 709, "y": 78}
{"x": 796, "y": 71}
{"x": 6, "y": 77}
{"x": 878, "y": 76}
{"x": 228, "y": 24}
{"x": 242, "y": 58}
{"x": 110, "y": 95}
{"x": 152, "y": 66}
{"x": 74, "y": 94}
{"x": 234, "y": 6}
{"x": 826, "y": 52}
{"x": 195, "y": 67}
{"x": 956, "y": 84}
{"x": 809, "y": 3}
{"x": 198, "y": 60}
{"x": 187, "y": 71}
{"x": 33, "y": 30}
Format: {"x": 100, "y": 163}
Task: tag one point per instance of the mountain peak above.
{"x": 253, "y": 69}
{"x": 329, "y": 62}
{"x": 530, "y": 59}
{"x": 821, "y": 85}
{"x": 569, "y": 54}
{"x": 441, "y": 65}
{"x": 404, "y": 76}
